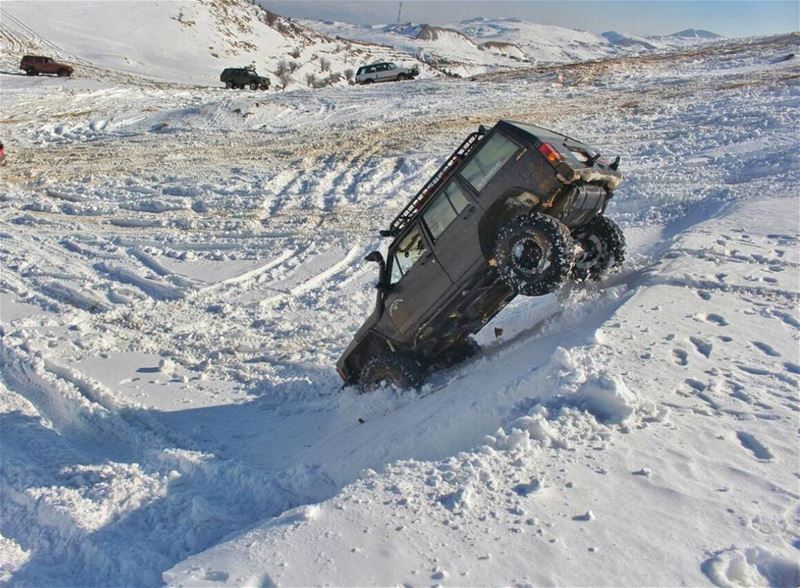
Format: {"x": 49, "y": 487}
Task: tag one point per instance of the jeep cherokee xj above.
{"x": 38, "y": 64}
{"x": 516, "y": 209}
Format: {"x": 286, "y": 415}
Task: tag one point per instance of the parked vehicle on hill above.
{"x": 516, "y": 209}
{"x": 385, "y": 72}
{"x": 243, "y": 77}
{"x": 33, "y": 65}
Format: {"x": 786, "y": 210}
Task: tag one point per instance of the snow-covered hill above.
{"x": 181, "y": 267}
{"x": 479, "y": 45}
{"x": 180, "y": 41}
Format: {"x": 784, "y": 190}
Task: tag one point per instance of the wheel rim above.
{"x": 593, "y": 251}
{"x": 530, "y": 255}
{"x": 383, "y": 375}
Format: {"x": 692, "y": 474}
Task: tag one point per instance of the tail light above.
{"x": 550, "y": 154}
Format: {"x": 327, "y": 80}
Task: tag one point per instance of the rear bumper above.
{"x": 607, "y": 178}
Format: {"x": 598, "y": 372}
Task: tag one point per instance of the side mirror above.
{"x": 375, "y": 256}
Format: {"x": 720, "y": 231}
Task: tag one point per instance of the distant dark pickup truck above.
{"x": 33, "y": 65}
{"x": 243, "y": 77}
{"x": 516, "y": 209}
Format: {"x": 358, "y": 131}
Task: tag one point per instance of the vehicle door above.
{"x": 417, "y": 283}
{"x": 390, "y": 72}
{"x": 384, "y": 73}
{"x": 47, "y": 66}
{"x": 451, "y": 219}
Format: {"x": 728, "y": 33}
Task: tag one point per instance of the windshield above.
{"x": 409, "y": 250}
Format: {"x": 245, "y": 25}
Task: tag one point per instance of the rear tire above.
{"x": 396, "y": 369}
{"x": 31, "y": 71}
{"x": 254, "y": 86}
{"x": 229, "y": 85}
{"x": 603, "y": 245}
{"x": 534, "y": 254}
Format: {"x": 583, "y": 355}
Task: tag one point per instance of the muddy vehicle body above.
{"x": 385, "y": 72}
{"x": 33, "y": 65}
{"x": 516, "y": 209}
{"x": 243, "y": 77}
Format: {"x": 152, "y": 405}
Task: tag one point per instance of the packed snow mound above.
{"x": 182, "y": 41}
{"x": 754, "y": 566}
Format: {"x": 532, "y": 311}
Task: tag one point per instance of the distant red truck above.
{"x": 38, "y": 64}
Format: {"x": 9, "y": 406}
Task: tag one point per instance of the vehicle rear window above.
{"x": 445, "y": 208}
{"x": 488, "y": 160}
{"x": 409, "y": 250}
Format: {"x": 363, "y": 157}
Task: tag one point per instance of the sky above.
{"x": 730, "y": 18}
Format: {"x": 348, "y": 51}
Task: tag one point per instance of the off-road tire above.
{"x": 263, "y": 87}
{"x": 603, "y": 245}
{"x": 396, "y": 369}
{"x": 229, "y": 85}
{"x": 534, "y": 254}
{"x": 369, "y": 81}
{"x": 254, "y": 86}
{"x": 31, "y": 71}
{"x": 63, "y": 73}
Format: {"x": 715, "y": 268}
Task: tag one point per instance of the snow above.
{"x": 182, "y": 267}
{"x": 482, "y": 45}
{"x": 175, "y": 43}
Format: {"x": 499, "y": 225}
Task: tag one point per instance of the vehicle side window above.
{"x": 444, "y": 209}
{"x": 488, "y": 160}
{"x": 391, "y": 66}
{"x": 360, "y": 71}
{"x": 409, "y": 250}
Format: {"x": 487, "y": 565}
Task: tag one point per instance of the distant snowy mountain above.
{"x": 484, "y": 44}
{"x": 446, "y": 48}
{"x": 696, "y": 34}
{"x": 183, "y": 41}
{"x": 621, "y": 40}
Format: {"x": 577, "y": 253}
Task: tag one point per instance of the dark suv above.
{"x": 38, "y": 64}
{"x": 516, "y": 209}
{"x": 242, "y": 77}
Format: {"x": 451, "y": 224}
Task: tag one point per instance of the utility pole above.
{"x": 399, "y": 10}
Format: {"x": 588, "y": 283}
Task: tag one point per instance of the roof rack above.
{"x": 444, "y": 172}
